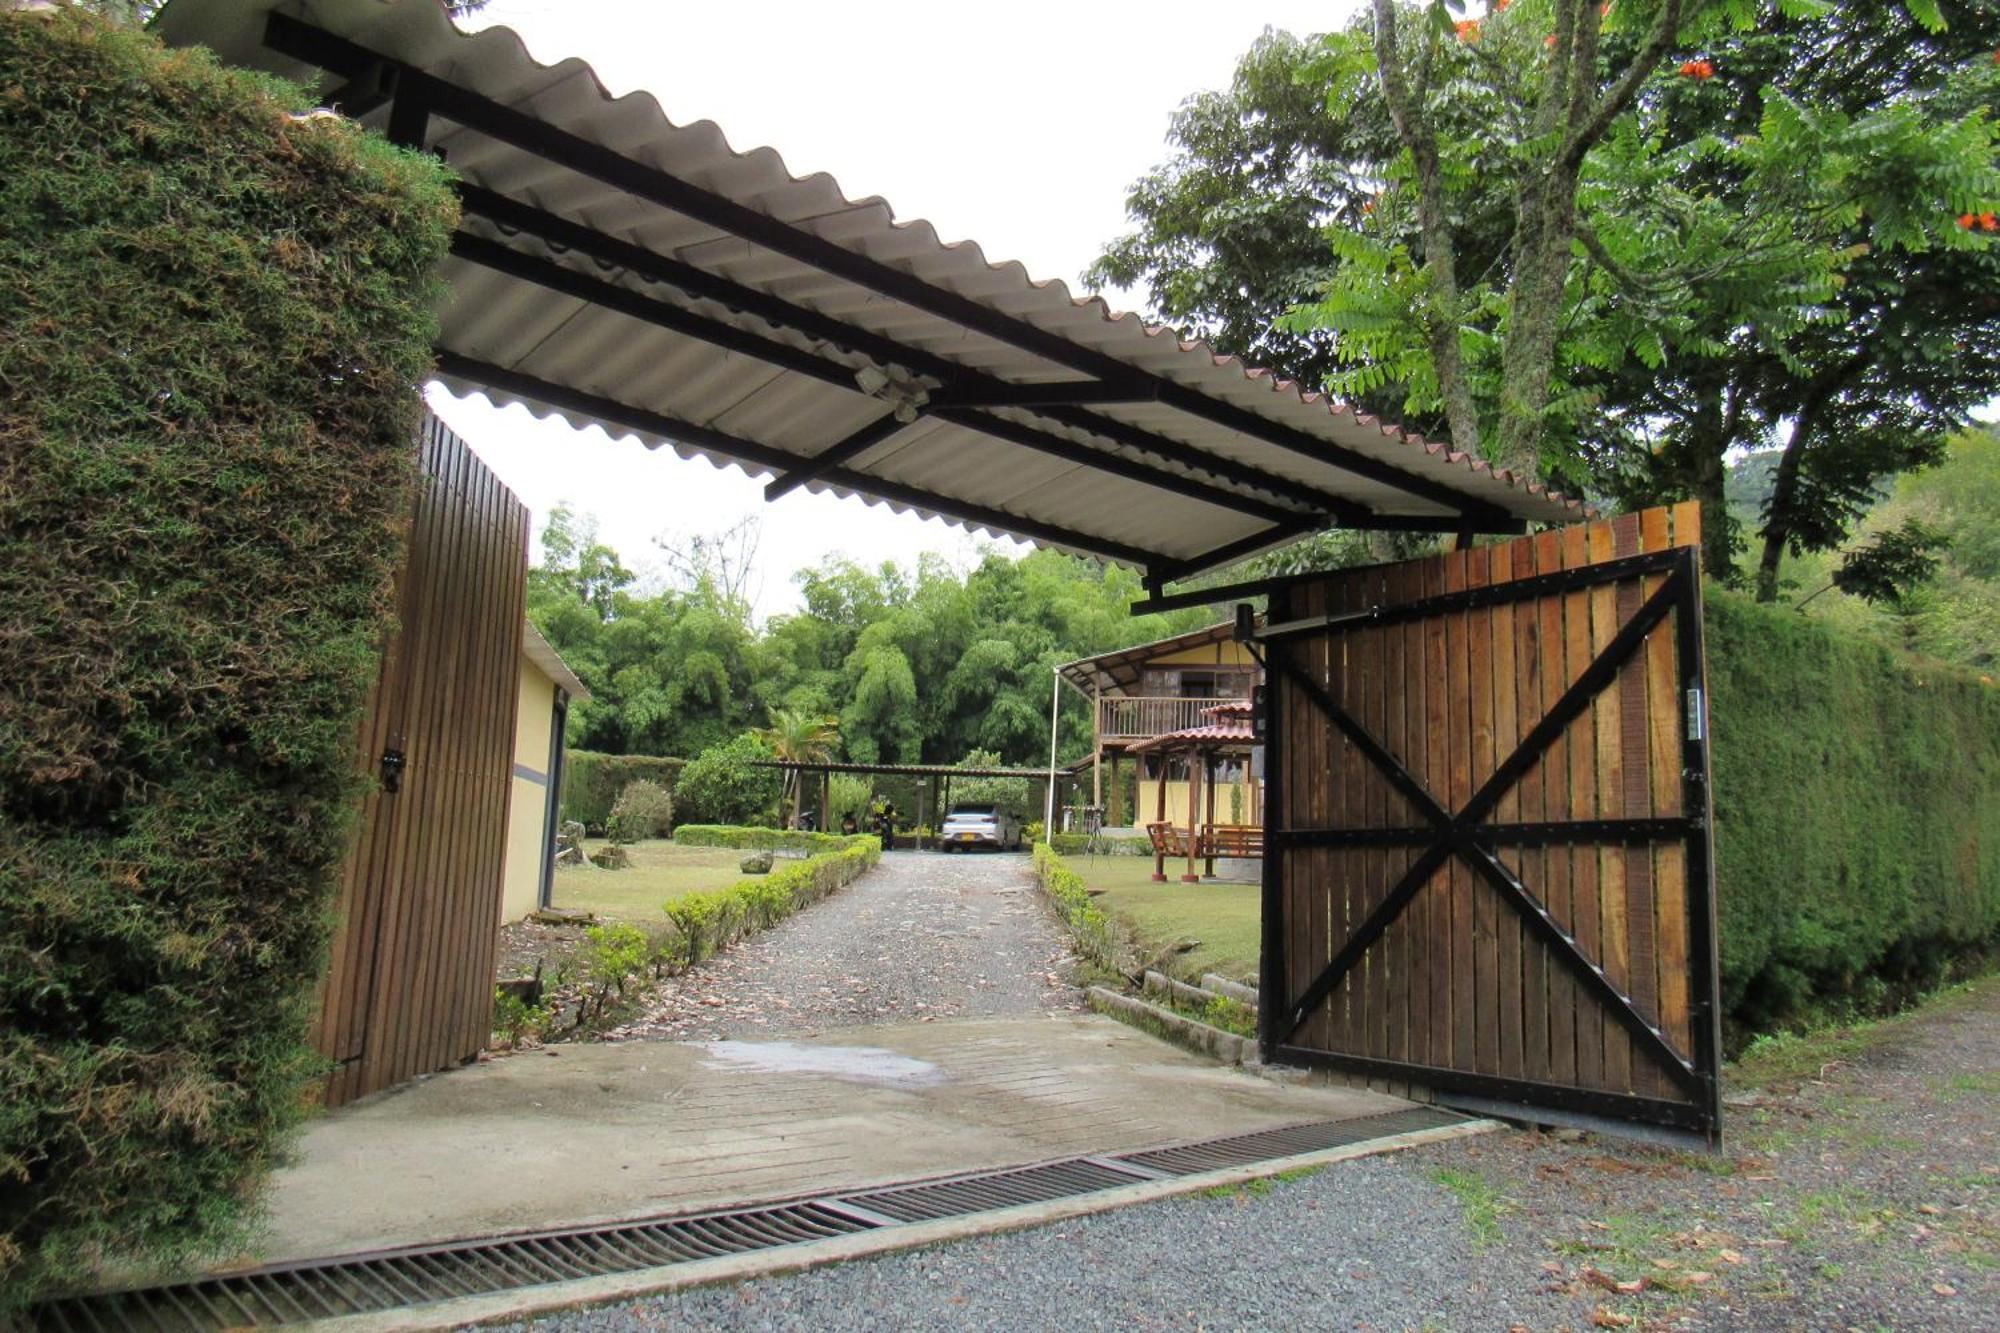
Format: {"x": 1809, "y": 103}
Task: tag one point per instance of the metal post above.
{"x": 1097, "y": 746}
{"x": 1049, "y": 800}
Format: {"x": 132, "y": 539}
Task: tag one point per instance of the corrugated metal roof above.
{"x": 598, "y": 233}
{"x": 1119, "y": 671}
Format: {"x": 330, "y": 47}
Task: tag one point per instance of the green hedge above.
{"x": 592, "y": 781}
{"x": 1096, "y": 938}
{"x": 714, "y": 919}
{"x": 1078, "y": 844}
{"x": 1857, "y": 812}
{"x": 750, "y": 839}
{"x": 216, "y": 317}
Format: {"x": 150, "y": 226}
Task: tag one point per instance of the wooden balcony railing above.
{"x": 1137, "y": 717}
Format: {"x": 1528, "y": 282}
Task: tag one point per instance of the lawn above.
{"x": 659, "y": 871}
{"x": 1224, "y": 917}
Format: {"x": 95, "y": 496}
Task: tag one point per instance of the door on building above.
{"x": 1489, "y": 867}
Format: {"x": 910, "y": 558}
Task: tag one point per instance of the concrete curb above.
{"x": 1234, "y": 990}
{"x": 1177, "y": 1028}
{"x": 620, "y": 1287}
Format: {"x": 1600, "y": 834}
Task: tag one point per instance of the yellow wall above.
{"x": 527, "y": 812}
{"x": 1226, "y": 653}
{"x": 1177, "y": 799}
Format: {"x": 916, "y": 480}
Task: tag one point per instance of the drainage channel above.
{"x": 397, "y": 1279}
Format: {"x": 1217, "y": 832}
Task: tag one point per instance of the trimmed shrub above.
{"x": 216, "y": 319}
{"x": 713, "y": 920}
{"x": 1096, "y": 938}
{"x": 592, "y": 782}
{"x": 721, "y": 785}
{"x": 1857, "y": 812}
{"x": 1077, "y": 844}
{"x": 643, "y": 810}
{"x": 744, "y": 839}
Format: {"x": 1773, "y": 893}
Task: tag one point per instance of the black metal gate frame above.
{"x": 1461, "y": 833}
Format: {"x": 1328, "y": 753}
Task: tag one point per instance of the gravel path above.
{"x": 923, "y": 936}
{"x": 1862, "y": 1190}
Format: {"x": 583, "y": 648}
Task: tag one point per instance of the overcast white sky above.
{"x": 1019, "y": 127}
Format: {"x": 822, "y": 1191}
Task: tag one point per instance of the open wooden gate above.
{"x": 1487, "y": 800}
{"x": 409, "y": 989}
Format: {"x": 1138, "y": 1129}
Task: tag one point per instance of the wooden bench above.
{"x": 1234, "y": 840}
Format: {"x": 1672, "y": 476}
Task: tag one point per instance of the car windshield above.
{"x": 972, "y": 812}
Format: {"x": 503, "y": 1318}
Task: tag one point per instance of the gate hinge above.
{"x": 1697, "y": 718}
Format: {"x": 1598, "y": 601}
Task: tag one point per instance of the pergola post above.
{"x": 1194, "y": 829}
{"x": 1159, "y": 849}
{"x": 1208, "y": 821}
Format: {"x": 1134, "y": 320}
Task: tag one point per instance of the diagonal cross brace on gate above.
{"x": 1460, "y": 834}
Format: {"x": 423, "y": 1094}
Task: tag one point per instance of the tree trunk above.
{"x": 1545, "y": 227}
{"x": 1778, "y": 513}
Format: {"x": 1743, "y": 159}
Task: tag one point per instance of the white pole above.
{"x": 1049, "y": 801}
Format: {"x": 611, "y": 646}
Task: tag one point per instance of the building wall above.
{"x": 1177, "y": 799}
{"x": 527, "y": 821}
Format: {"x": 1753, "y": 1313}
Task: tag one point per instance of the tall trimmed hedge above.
{"x": 592, "y": 781}
{"x": 1857, "y": 811}
{"x": 215, "y": 320}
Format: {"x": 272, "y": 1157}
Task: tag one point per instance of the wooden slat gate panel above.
{"x": 1488, "y": 868}
{"x": 409, "y": 988}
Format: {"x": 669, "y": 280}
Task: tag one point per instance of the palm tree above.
{"x": 798, "y": 737}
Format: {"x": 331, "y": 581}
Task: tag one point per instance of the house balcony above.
{"x": 1135, "y": 717}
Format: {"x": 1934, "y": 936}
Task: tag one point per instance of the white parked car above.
{"x": 968, "y": 826}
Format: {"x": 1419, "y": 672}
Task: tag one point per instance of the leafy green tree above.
{"x": 799, "y": 738}
{"x": 724, "y": 785}
{"x": 1763, "y": 242}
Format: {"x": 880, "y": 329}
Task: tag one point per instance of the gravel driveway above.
{"x": 1862, "y": 1190}
{"x": 922, "y": 936}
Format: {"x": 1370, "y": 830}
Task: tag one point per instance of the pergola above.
{"x": 934, "y": 780}
{"x": 1229, "y": 730}
{"x": 620, "y": 270}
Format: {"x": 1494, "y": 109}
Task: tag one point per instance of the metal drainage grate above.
{"x": 987, "y": 1191}
{"x": 394, "y": 1279}
{"x": 1263, "y": 1145}
{"x": 417, "y": 1275}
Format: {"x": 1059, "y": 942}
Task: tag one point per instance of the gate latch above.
{"x": 1697, "y": 715}
{"x": 392, "y": 770}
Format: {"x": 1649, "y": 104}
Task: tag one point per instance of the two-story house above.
{"x": 1143, "y": 696}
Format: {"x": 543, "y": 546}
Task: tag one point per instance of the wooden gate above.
{"x": 410, "y": 986}
{"x": 1488, "y": 875}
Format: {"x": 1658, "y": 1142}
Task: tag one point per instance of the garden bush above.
{"x": 721, "y": 785}
{"x": 753, "y": 839}
{"x": 1076, "y": 844}
{"x": 1857, "y": 812}
{"x": 216, "y": 317}
{"x": 712, "y": 920}
{"x": 1096, "y": 938}
{"x": 592, "y": 782}
{"x": 643, "y": 810}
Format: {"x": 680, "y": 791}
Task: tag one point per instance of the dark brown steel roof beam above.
{"x": 571, "y": 282}
{"x": 625, "y": 415}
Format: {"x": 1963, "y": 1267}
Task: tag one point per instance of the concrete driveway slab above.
{"x": 595, "y": 1132}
